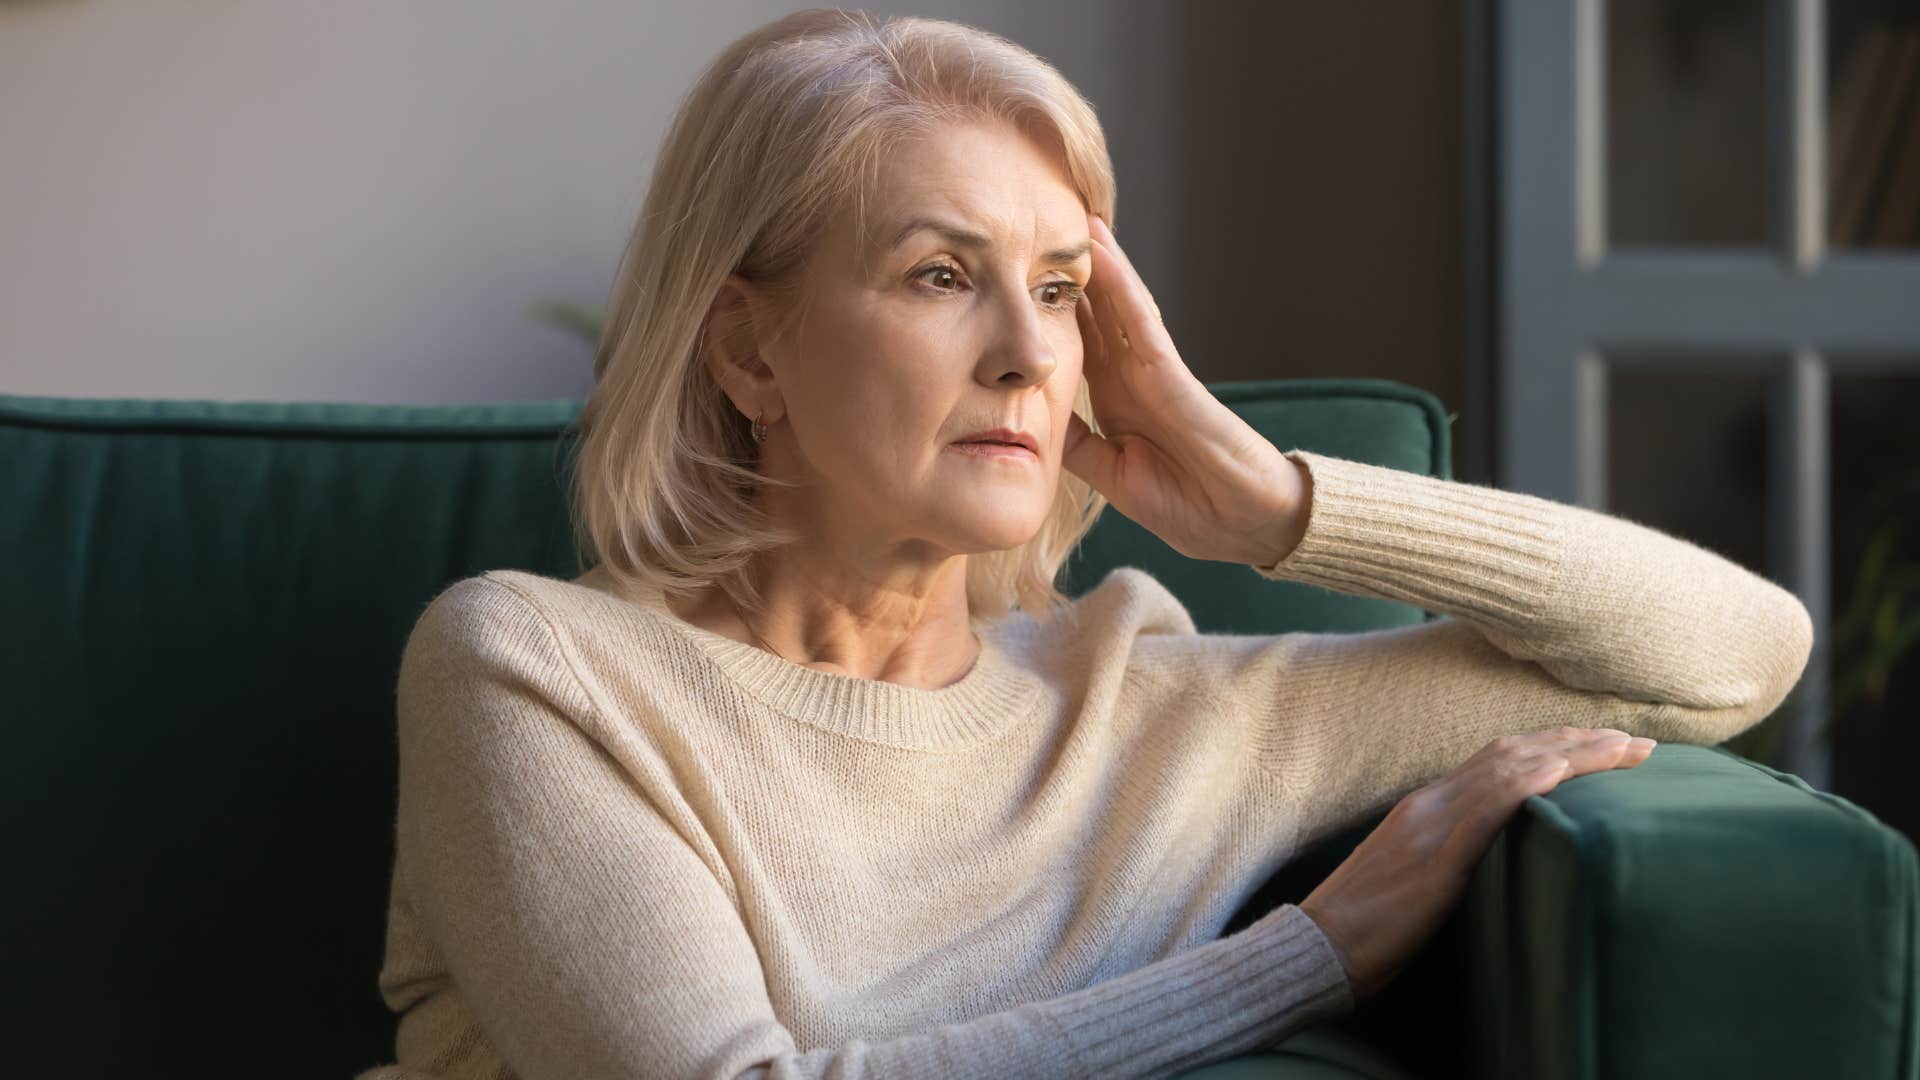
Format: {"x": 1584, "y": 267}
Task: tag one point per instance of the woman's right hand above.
{"x": 1393, "y": 892}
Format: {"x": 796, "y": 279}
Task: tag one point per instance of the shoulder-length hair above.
{"x": 783, "y": 127}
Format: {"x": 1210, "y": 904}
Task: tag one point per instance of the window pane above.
{"x": 1686, "y": 452}
{"x": 1874, "y": 693}
{"x": 1873, "y": 123}
{"x": 1686, "y": 123}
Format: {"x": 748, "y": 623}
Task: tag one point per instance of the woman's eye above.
{"x": 1058, "y": 295}
{"x": 947, "y": 270}
{"x": 1068, "y": 294}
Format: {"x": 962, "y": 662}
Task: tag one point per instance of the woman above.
{"x": 814, "y": 773}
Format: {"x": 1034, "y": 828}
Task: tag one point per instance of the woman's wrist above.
{"x": 1290, "y": 525}
{"x": 1319, "y": 921}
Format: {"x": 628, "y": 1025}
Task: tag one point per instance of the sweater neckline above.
{"x": 995, "y": 691}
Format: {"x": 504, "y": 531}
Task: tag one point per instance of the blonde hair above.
{"x": 783, "y": 127}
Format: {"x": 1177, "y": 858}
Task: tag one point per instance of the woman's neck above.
{"x": 910, "y": 627}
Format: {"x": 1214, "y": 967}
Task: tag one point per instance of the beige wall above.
{"x": 356, "y": 201}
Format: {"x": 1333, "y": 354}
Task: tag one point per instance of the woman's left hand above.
{"x": 1169, "y": 455}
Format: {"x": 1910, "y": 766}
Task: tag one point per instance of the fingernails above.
{"x": 1641, "y": 742}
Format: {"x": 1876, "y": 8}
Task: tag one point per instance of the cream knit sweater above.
{"x": 630, "y": 847}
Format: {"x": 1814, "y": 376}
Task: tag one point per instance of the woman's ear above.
{"x": 730, "y": 347}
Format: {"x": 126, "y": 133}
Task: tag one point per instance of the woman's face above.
{"x": 952, "y": 316}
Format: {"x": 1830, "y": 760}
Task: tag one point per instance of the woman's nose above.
{"x": 1020, "y": 354}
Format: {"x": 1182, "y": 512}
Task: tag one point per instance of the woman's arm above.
{"x": 588, "y": 935}
{"x": 1553, "y": 615}
{"x": 1558, "y": 615}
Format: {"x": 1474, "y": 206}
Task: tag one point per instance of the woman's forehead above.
{"x": 958, "y": 231}
{"x": 971, "y": 188}
{"x": 987, "y": 162}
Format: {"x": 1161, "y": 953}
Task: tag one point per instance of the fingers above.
{"x": 1093, "y": 346}
{"x": 1593, "y": 749}
{"x": 1489, "y": 786}
{"x": 1558, "y": 740}
{"x": 1129, "y": 318}
{"x": 1090, "y": 456}
{"x": 1605, "y": 752}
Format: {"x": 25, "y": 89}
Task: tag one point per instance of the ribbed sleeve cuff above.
{"x": 1231, "y": 996}
{"x": 1443, "y": 545}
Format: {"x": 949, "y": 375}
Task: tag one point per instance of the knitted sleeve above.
{"x": 1549, "y": 614}
{"x": 590, "y": 935}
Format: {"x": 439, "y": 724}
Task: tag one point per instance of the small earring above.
{"x": 760, "y": 429}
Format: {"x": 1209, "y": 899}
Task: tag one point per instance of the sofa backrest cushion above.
{"x": 202, "y": 610}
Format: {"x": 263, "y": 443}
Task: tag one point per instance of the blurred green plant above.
{"x": 1881, "y": 623}
{"x": 1879, "y": 628}
{"x": 575, "y": 320}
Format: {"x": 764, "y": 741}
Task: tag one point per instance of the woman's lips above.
{"x": 1006, "y": 451}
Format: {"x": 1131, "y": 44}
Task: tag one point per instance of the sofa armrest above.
{"x": 1697, "y": 915}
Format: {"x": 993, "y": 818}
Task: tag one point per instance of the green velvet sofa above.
{"x": 202, "y": 607}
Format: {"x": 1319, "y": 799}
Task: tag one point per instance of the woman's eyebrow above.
{"x": 960, "y": 236}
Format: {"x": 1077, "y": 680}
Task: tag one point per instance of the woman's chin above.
{"x": 994, "y": 528}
